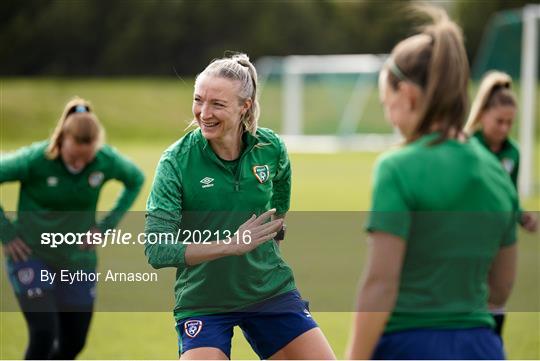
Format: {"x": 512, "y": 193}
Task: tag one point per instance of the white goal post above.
{"x": 529, "y": 85}
{"x": 294, "y": 68}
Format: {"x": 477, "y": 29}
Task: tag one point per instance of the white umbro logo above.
{"x": 207, "y": 182}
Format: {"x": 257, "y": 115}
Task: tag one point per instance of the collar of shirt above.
{"x": 249, "y": 142}
{"x": 480, "y": 136}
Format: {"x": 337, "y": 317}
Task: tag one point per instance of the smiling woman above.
{"x": 230, "y": 174}
{"x": 216, "y": 106}
{"x": 225, "y": 105}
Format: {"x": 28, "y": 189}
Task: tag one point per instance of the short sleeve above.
{"x": 390, "y": 212}
{"x": 510, "y": 236}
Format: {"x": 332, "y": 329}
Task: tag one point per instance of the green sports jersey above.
{"x": 51, "y": 199}
{"x": 193, "y": 190}
{"x": 508, "y": 155}
{"x": 454, "y": 206}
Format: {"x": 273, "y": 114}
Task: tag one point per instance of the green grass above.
{"x": 156, "y": 108}
{"x": 143, "y": 117}
{"x": 159, "y": 109}
{"x": 151, "y": 335}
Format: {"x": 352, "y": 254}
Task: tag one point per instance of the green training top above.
{"x": 454, "y": 207}
{"x": 194, "y": 191}
{"x": 51, "y": 199}
{"x": 508, "y": 155}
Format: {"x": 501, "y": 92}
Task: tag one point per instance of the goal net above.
{"x": 510, "y": 44}
{"x": 325, "y": 103}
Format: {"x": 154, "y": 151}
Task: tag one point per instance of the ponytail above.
{"x": 251, "y": 118}
{"x": 436, "y": 61}
{"x": 494, "y": 90}
{"x": 77, "y": 120}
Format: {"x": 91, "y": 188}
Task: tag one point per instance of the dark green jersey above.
{"x": 51, "y": 199}
{"x": 194, "y": 190}
{"x": 508, "y": 155}
{"x": 455, "y": 208}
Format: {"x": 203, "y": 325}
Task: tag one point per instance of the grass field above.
{"x": 159, "y": 109}
{"x": 144, "y": 116}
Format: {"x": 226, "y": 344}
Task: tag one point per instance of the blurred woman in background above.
{"x": 442, "y": 219}
{"x": 490, "y": 122}
{"x": 60, "y": 183}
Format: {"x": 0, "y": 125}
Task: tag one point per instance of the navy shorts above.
{"x": 268, "y": 326}
{"x": 28, "y": 282}
{"x": 423, "y": 344}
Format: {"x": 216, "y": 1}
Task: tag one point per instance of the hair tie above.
{"x": 394, "y": 69}
{"x": 242, "y": 62}
{"x": 81, "y": 109}
{"x": 499, "y": 86}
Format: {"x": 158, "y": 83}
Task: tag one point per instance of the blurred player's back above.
{"x": 455, "y": 207}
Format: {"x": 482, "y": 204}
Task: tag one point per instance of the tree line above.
{"x": 103, "y": 37}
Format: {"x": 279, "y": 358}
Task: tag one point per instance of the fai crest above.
{"x": 95, "y": 179}
{"x": 193, "y": 327}
{"x": 262, "y": 172}
{"x": 26, "y": 275}
{"x": 508, "y": 164}
{"x": 52, "y": 181}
